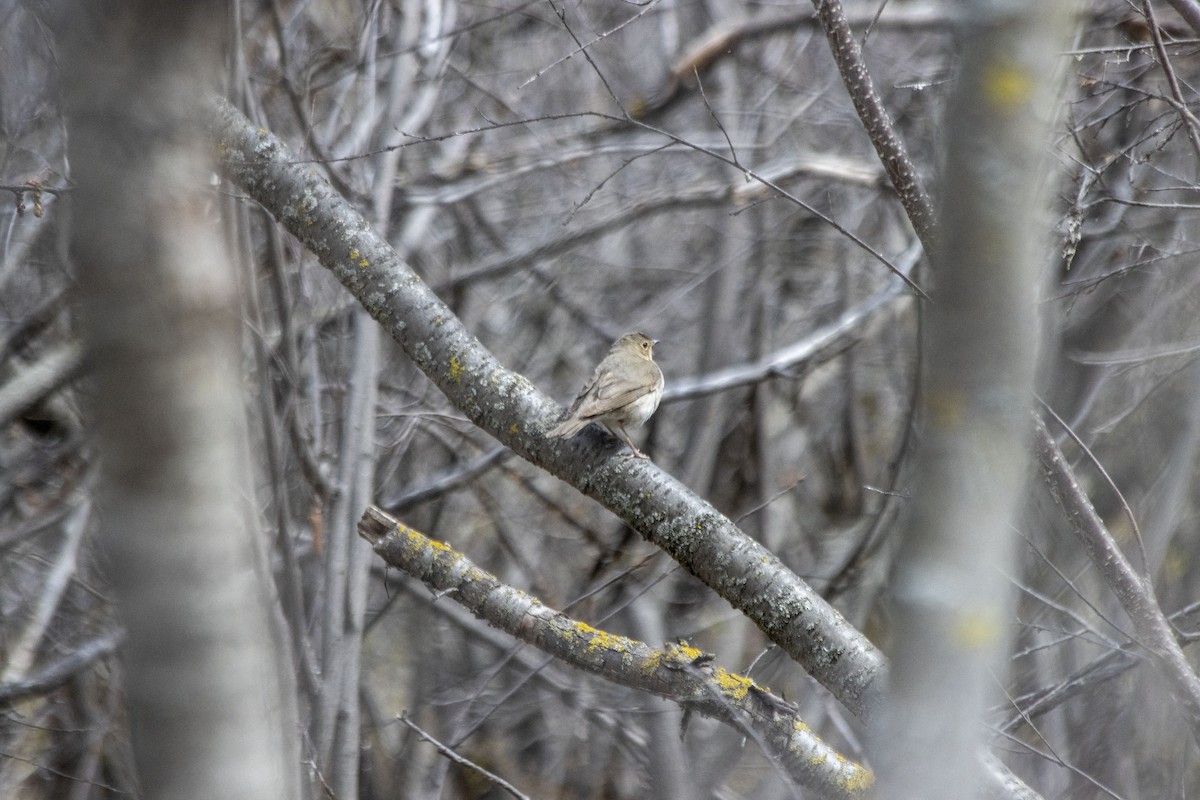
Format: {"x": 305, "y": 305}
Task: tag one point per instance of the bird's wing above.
{"x": 611, "y": 392}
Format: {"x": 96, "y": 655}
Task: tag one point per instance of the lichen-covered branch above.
{"x": 677, "y": 672}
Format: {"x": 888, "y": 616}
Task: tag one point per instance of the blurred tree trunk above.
{"x": 951, "y": 584}
{"x": 208, "y": 688}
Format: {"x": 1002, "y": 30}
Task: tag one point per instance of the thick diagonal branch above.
{"x": 508, "y": 407}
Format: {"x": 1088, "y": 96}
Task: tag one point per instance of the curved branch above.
{"x": 677, "y": 672}
{"x": 829, "y": 338}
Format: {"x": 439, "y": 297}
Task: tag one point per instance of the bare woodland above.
{"x": 292, "y": 291}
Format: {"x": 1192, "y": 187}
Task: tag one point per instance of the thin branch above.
{"x": 854, "y": 239}
{"x": 1189, "y": 10}
{"x": 703, "y": 196}
{"x": 1088, "y": 677}
{"x": 448, "y": 482}
{"x": 460, "y": 759}
{"x": 23, "y": 651}
{"x": 1134, "y": 592}
{"x": 847, "y": 53}
{"x": 561, "y": 13}
{"x": 49, "y": 678}
{"x": 1133, "y": 523}
{"x": 785, "y": 360}
{"x": 598, "y": 37}
{"x": 712, "y": 113}
{"x": 604, "y": 181}
{"x": 33, "y": 382}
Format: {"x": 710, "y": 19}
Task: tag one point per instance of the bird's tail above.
{"x": 568, "y": 428}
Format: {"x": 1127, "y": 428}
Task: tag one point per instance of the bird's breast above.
{"x": 640, "y": 410}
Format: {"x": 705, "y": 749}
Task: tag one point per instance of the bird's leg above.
{"x": 636, "y": 453}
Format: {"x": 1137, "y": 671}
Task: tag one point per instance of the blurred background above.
{"x": 488, "y": 143}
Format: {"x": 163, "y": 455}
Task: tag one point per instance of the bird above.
{"x": 624, "y": 390}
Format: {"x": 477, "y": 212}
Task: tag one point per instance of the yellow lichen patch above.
{"x": 456, "y": 369}
{"x": 602, "y": 640}
{"x": 1007, "y": 86}
{"x": 855, "y": 779}
{"x": 860, "y": 781}
{"x": 685, "y": 651}
{"x": 355, "y": 255}
{"x": 514, "y": 429}
{"x": 735, "y": 686}
{"x": 419, "y": 539}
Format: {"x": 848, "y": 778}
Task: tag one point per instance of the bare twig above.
{"x": 1190, "y": 123}
{"x": 598, "y": 37}
{"x": 561, "y": 13}
{"x": 1088, "y": 677}
{"x": 461, "y": 760}
{"x": 712, "y": 113}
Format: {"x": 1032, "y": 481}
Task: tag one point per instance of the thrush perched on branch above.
{"x": 624, "y": 391}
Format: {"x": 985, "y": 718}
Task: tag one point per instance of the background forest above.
{"x": 559, "y": 174}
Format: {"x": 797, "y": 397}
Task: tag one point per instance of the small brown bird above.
{"x": 624, "y": 390}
